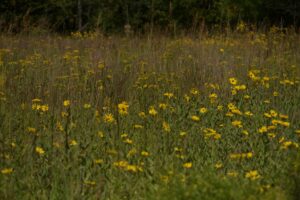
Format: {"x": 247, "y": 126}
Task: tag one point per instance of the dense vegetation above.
{"x": 93, "y": 117}
{"x": 144, "y": 15}
{"x": 123, "y": 99}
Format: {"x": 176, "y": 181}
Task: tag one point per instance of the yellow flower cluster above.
{"x": 128, "y": 167}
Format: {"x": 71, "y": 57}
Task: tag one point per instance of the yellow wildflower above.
{"x": 218, "y": 165}
{"x": 108, "y": 118}
{"x": 142, "y": 114}
{"x": 138, "y": 126}
{"x": 182, "y": 133}
{"x": 248, "y": 113}
{"x": 7, "y": 171}
{"x": 39, "y": 150}
{"x": 145, "y": 153}
{"x": 237, "y": 123}
{"x": 87, "y": 106}
{"x": 73, "y": 143}
{"x": 263, "y": 129}
{"x": 162, "y": 106}
{"x": 98, "y": 161}
{"x": 195, "y": 118}
{"x": 123, "y": 108}
{"x": 166, "y": 127}
{"x": 194, "y": 91}
{"x": 31, "y": 130}
{"x": 232, "y": 174}
{"x": 128, "y": 141}
{"x": 233, "y": 81}
{"x": 152, "y": 111}
{"x": 91, "y": 183}
{"x": 169, "y": 95}
{"x": 253, "y": 175}
{"x": 44, "y": 108}
{"x": 187, "y": 165}
{"x": 203, "y": 110}
{"x": 67, "y": 103}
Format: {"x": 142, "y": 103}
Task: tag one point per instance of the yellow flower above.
{"x": 240, "y": 87}
{"x": 203, "y": 110}
{"x": 282, "y": 123}
{"x": 233, "y": 81}
{"x": 73, "y": 143}
{"x": 267, "y": 115}
{"x": 248, "y": 113}
{"x": 237, "y": 123}
{"x": 273, "y": 113}
{"x": 166, "y": 127}
{"x": 287, "y": 144}
{"x": 138, "y": 126}
{"x": 169, "y": 95}
{"x": 218, "y": 165}
{"x": 187, "y": 98}
{"x": 44, "y": 108}
{"x": 236, "y": 111}
{"x": 271, "y": 135}
{"x": 133, "y": 168}
{"x": 98, "y": 161}
{"x": 231, "y": 106}
{"x": 213, "y": 96}
{"x": 194, "y": 91}
{"x": 162, "y": 106}
{"x": 152, "y": 111}
{"x": 195, "y": 118}
{"x": 91, "y": 183}
{"x": 64, "y": 114}
{"x": 271, "y": 127}
{"x": 142, "y": 114}
{"x": 67, "y": 103}
{"x": 123, "y": 108}
{"x": 283, "y": 116}
{"x": 128, "y": 141}
{"x": 182, "y": 133}
{"x": 36, "y": 100}
{"x": 220, "y": 107}
{"x": 187, "y": 165}
{"x": 246, "y": 97}
{"x": 145, "y": 153}
{"x": 7, "y": 171}
{"x": 233, "y": 92}
{"x": 108, "y": 118}
{"x": 249, "y": 155}
{"x": 245, "y": 132}
{"x": 253, "y": 175}
{"x": 131, "y": 152}
{"x": 232, "y": 174}
{"x": 39, "y": 150}
{"x": 263, "y": 129}
{"x": 31, "y": 130}
{"x": 87, "y": 106}
{"x": 217, "y": 136}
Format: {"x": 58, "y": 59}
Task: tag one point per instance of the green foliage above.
{"x": 143, "y": 15}
{"x": 209, "y": 185}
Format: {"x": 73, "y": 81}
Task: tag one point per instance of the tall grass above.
{"x": 93, "y": 117}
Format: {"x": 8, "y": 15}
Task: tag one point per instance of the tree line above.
{"x": 144, "y": 15}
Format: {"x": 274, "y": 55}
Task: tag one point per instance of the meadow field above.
{"x": 89, "y": 116}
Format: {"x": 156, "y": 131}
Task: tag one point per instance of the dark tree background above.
{"x": 144, "y": 15}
